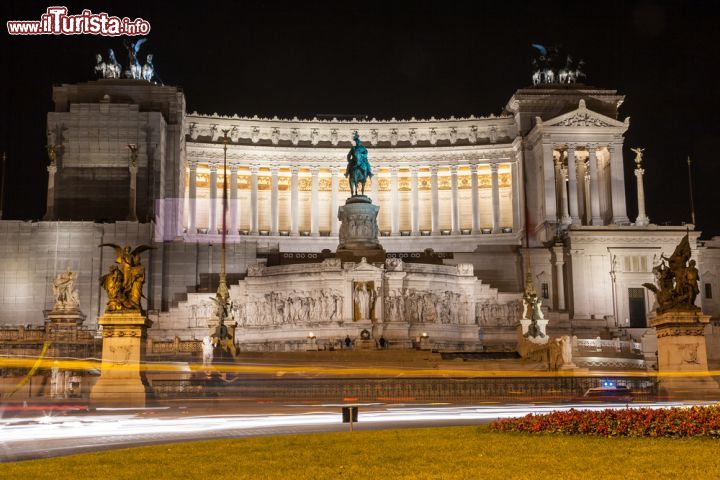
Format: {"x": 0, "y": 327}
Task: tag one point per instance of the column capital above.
{"x": 274, "y": 170}
{"x": 52, "y": 169}
{"x": 133, "y": 169}
{"x": 453, "y": 169}
{"x": 639, "y": 172}
{"x": 414, "y": 169}
{"x": 571, "y": 146}
{"x": 494, "y": 166}
{"x": 192, "y": 164}
{"x": 434, "y": 170}
{"x": 334, "y": 171}
{"x": 254, "y": 169}
{"x": 213, "y": 166}
{"x": 473, "y": 168}
{"x": 314, "y": 170}
{"x": 394, "y": 169}
{"x": 233, "y": 167}
{"x": 294, "y": 169}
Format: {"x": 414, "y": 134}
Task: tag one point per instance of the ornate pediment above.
{"x": 582, "y": 117}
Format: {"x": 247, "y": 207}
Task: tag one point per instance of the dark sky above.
{"x": 398, "y": 59}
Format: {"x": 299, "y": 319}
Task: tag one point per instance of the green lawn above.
{"x": 447, "y": 453}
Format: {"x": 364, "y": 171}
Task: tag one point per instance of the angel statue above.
{"x": 134, "y": 70}
{"x": 638, "y": 156}
{"x": 123, "y": 284}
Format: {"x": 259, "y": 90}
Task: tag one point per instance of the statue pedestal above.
{"x": 359, "y": 231}
{"x": 121, "y": 382}
{"x": 682, "y": 355}
{"x": 539, "y": 337}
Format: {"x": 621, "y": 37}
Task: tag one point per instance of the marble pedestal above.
{"x": 61, "y": 327}
{"x": 359, "y": 231}
{"x": 682, "y": 355}
{"x": 121, "y": 381}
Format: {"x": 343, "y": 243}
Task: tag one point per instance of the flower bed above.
{"x": 629, "y": 422}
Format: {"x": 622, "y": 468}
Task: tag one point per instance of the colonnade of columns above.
{"x": 588, "y": 190}
{"x": 394, "y": 206}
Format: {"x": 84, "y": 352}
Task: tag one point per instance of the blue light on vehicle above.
{"x": 608, "y": 383}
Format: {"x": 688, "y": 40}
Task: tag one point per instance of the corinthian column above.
{"x": 315, "y": 202}
{"x": 642, "y": 218}
{"x": 192, "y": 198}
{"x": 395, "y": 208}
{"x": 565, "y": 218}
{"x": 254, "y": 200}
{"x": 415, "y": 199}
{"x": 212, "y": 223}
{"x": 274, "y": 210}
{"x": 335, "y": 186}
{"x": 475, "y": 199}
{"x": 435, "y": 204}
{"x": 233, "y": 199}
{"x": 294, "y": 201}
{"x": 596, "y": 219}
{"x": 572, "y": 185}
{"x": 50, "y": 210}
{"x": 455, "y": 208}
{"x": 495, "y": 197}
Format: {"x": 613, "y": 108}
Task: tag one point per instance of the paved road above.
{"x": 24, "y": 438}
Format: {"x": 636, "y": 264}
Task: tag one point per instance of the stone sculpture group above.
{"x": 124, "y": 283}
{"x": 294, "y": 307}
{"x": 677, "y": 280}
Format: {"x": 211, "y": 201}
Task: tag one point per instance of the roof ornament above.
{"x": 548, "y": 69}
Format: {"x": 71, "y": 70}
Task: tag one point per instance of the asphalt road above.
{"x": 26, "y": 437}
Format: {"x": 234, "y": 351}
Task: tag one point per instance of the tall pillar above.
{"x": 212, "y": 223}
{"x": 515, "y": 195}
{"x": 476, "y": 230}
{"x": 415, "y": 200}
{"x": 375, "y": 187}
{"x": 454, "y": 206}
{"x": 192, "y": 198}
{"x": 586, "y": 195}
{"x": 572, "y": 185}
{"x": 50, "y": 211}
{"x": 435, "y": 203}
{"x": 495, "y": 197}
{"x": 315, "y": 202}
{"x": 294, "y": 201}
{"x": 595, "y": 217}
{"x": 254, "y": 200}
{"x": 274, "y": 208}
{"x": 334, "y": 201}
{"x": 560, "y": 277}
{"x": 395, "y": 208}
{"x": 642, "y": 218}
{"x": 564, "y": 212}
{"x": 233, "y": 199}
{"x": 617, "y": 184}
{"x": 549, "y": 183}
{"x": 132, "y": 213}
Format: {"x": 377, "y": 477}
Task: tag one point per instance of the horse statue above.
{"x": 148, "y": 70}
{"x": 358, "y": 168}
{"x": 112, "y": 67}
{"x": 101, "y": 67}
{"x": 134, "y": 70}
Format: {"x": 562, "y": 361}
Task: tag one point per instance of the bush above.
{"x": 629, "y": 422}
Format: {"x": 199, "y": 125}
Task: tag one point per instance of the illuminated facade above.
{"x": 541, "y": 183}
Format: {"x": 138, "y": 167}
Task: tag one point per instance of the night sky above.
{"x": 395, "y": 59}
